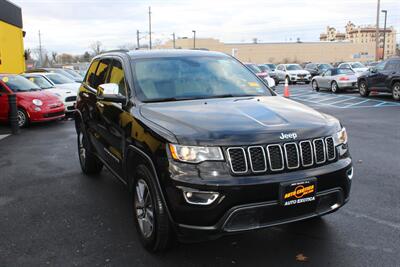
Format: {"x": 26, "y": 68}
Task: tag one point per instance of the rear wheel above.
{"x": 314, "y": 85}
{"x": 23, "y": 120}
{"x": 150, "y": 214}
{"x": 363, "y": 88}
{"x": 396, "y": 91}
{"x": 334, "y": 87}
{"x": 90, "y": 164}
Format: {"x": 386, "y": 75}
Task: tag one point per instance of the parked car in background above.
{"x": 77, "y": 76}
{"x": 357, "y": 67}
{"x": 60, "y": 71}
{"x": 292, "y": 73}
{"x": 262, "y": 74}
{"x": 34, "y": 104}
{"x": 384, "y": 77}
{"x": 59, "y": 80}
{"x": 372, "y": 64}
{"x": 67, "y": 96}
{"x": 317, "y": 68}
{"x": 335, "y": 79}
{"x": 271, "y": 72}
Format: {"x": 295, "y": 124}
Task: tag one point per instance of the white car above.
{"x": 292, "y": 73}
{"x": 357, "y": 67}
{"x": 270, "y": 82}
{"x": 67, "y": 96}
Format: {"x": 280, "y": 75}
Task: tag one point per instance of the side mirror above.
{"x": 373, "y": 69}
{"x": 110, "y": 92}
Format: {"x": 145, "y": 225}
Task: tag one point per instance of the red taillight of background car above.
{"x": 262, "y": 74}
{"x": 344, "y": 78}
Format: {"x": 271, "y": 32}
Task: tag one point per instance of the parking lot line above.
{"x": 2, "y": 136}
{"x": 354, "y": 104}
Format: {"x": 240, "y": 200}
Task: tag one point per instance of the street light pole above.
{"x": 194, "y": 39}
{"x": 137, "y": 40}
{"x": 377, "y": 32}
{"x": 149, "y": 27}
{"x": 173, "y": 39}
{"x": 384, "y": 35}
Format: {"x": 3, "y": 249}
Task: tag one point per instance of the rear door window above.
{"x": 91, "y": 73}
{"x": 392, "y": 65}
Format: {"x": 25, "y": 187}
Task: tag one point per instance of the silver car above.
{"x": 335, "y": 79}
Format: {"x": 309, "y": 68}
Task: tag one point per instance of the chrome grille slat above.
{"x": 281, "y": 157}
{"x": 303, "y": 153}
{"x": 330, "y": 148}
{"x": 252, "y": 158}
{"x": 288, "y": 154}
{"x": 317, "y": 155}
{"x": 240, "y": 171}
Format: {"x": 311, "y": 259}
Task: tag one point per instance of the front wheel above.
{"x": 396, "y": 91}
{"x": 334, "y": 87}
{"x": 90, "y": 164}
{"x": 150, "y": 214}
{"x": 363, "y": 88}
{"x": 22, "y": 117}
{"x": 314, "y": 85}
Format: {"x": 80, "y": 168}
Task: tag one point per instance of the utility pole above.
{"x": 384, "y": 35}
{"x": 377, "y": 31}
{"x": 137, "y": 40}
{"x": 194, "y": 39}
{"x": 40, "y": 50}
{"x": 149, "y": 27}
{"x": 173, "y": 39}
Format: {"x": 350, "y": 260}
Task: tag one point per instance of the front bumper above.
{"x": 252, "y": 202}
{"x": 46, "y": 114}
{"x": 300, "y": 79}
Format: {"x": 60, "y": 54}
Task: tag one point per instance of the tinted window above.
{"x": 381, "y": 65}
{"x": 357, "y": 65}
{"x": 117, "y": 76}
{"x": 344, "y": 66}
{"x": 264, "y": 68}
{"x": 101, "y": 72}
{"x": 293, "y": 67}
{"x": 91, "y": 73}
{"x": 310, "y": 66}
{"x": 328, "y": 73}
{"x": 344, "y": 71}
{"x": 271, "y": 66}
{"x": 392, "y": 65}
{"x": 324, "y": 66}
{"x": 194, "y": 78}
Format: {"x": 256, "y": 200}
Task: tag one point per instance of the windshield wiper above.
{"x": 230, "y": 95}
{"x": 169, "y": 99}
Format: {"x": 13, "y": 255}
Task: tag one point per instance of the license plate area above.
{"x": 298, "y": 192}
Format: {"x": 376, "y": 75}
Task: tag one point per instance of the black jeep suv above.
{"x": 205, "y": 147}
{"x": 384, "y": 77}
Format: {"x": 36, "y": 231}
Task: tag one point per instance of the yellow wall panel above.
{"x": 11, "y": 49}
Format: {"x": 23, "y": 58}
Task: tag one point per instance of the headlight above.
{"x": 37, "y": 102}
{"x": 340, "y": 137}
{"x": 195, "y": 154}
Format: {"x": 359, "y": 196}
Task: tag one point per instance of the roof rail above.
{"x": 116, "y": 50}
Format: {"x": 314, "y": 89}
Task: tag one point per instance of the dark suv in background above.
{"x": 317, "y": 68}
{"x": 384, "y": 77}
{"x": 205, "y": 147}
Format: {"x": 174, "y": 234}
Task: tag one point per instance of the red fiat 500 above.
{"x": 34, "y": 104}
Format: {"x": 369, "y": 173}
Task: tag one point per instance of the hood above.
{"x": 238, "y": 121}
{"x": 41, "y": 95}
{"x": 298, "y": 72}
{"x": 61, "y": 93}
{"x": 71, "y": 86}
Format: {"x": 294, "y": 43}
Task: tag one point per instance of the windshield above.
{"x": 74, "y": 74}
{"x": 325, "y": 66}
{"x": 293, "y": 67}
{"x": 344, "y": 71}
{"x": 271, "y": 66}
{"x": 182, "y": 78}
{"x": 357, "y": 65}
{"x": 19, "y": 84}
{"x": 58, "y": 79}
{"x": 40, "y": 81}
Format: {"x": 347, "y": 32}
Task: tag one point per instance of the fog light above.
{"x": 37, "y": 109}
{"x": 196, "y": 197}
{"x": 350, "y": 173}
{"x": 335, "y": 206}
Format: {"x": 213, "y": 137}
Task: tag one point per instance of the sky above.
{"x": 72, "y": 25}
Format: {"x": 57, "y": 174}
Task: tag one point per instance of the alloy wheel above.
{"x": 396, "y": 92}
{"x": 334, "y": 87}
{"x": 21, "y": 118}
{"x": 363, "y": 88}
{"x": 144, "y": 208}
{"x": 314, "y": 85}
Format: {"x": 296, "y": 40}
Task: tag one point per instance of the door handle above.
{"x": 100, "y": 104}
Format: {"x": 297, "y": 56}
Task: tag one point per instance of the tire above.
{"x": 90, "y": 164}
{"x": 396, "y": 91}
{"x": 23, "y": 119}
{"x": 314, "y": 85}
{"x": 363, "y": 89}
{"x": 334, "y": 87}
{"x": 150, "y": 214}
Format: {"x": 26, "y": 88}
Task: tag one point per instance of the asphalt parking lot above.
{"x": 52, "y": 215}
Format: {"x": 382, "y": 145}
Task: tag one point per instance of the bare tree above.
{"x": 54, "y": 57}
{"x": 96, "y": 47}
